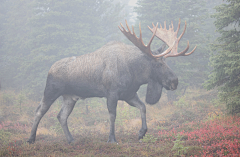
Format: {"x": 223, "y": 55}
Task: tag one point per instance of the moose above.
{"x": 115, "y": 71}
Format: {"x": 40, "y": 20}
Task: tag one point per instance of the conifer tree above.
{"x": 225, "y": 58}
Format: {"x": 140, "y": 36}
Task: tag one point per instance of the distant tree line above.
{"x": 36, "y": 33}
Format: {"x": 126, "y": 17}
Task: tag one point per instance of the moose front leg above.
{"x": 136, "y": 102}
{"x": 112, "y": 105}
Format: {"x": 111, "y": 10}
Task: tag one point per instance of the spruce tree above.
{"x": 225, "y": 58}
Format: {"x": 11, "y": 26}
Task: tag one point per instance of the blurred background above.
{"x": 36, "y": 33}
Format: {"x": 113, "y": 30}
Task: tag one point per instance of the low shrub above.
{"x": 217, "y": 137}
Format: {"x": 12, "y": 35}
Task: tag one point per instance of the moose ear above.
{"x": 159, "y": 50}
{"x": 154, "y": 92}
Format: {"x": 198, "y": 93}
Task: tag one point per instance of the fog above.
{"x": 35, "y": 34}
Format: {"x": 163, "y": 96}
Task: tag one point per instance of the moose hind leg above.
{"x": 67, "y": 107}
{"x": 112, "y": 105}
{"x": 136, "y": 102}
{"x": 39, "y": 113}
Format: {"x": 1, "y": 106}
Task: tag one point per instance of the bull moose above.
{"x": 115, "y": 71}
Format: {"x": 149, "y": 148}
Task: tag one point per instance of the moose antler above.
{"x": 139, "y": 42}
{"x": 169, "y": 36}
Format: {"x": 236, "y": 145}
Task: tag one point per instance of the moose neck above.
{"x": 140, "y": 68}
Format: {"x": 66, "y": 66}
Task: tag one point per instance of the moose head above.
{"x": 162, "y": 75}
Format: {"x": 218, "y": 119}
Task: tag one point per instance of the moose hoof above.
{"x": 30, "y": 141}
{"x": 140, "y": 138}
{"x": 111, "y": 141}
{"x": 142, "y": 133}
{"x": 72, "y": 142}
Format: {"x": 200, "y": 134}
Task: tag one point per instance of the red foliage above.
{"x": 218, "y": 137}
{"x": 9, "y": 125}
{"x": 13, "y": 149}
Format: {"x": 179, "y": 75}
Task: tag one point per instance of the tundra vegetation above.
{"x": 190, "y": 121}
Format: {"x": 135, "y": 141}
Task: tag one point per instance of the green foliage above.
{"x": 125, "y": 112}
{"x": 226, "y": 57}
{"x": 4, "y": 136}
{"x": 179, "y": 147}
{"x": 56, "y": 127}
{"x": 184, "y": 113}
{"x": 181, "y": 102}
{"x": 148, "y": 138}
{"x": 8, "y": 98}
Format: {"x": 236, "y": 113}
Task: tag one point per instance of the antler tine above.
{"x": 183, "y": 53}
{"x": 191, "y": 51}
{"x": 128, "y": 27}
{"x": 121, "y": 28}
{"x": 134, "y": 32}
{"x": 179, "y": 22}
{"x": 183, "y": 31}
{"x": 140, "y": 36}
{"x": 172, "y": 28}
{"x": 170, "y": 37}
{"x": 152, "y": 36}
{"x": 138, "y": 41}
{"x": 152, "y": 25}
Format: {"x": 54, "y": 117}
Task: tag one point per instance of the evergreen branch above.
{"x": 225, "y": 79}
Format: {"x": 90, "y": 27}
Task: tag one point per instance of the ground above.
{"x": 194, "y": 125}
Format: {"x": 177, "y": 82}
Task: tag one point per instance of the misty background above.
{"x": 36, "y": 33}
{"x": 193, "y": 120}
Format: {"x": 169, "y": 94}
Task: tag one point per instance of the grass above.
{"x": 173, "y": 129}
